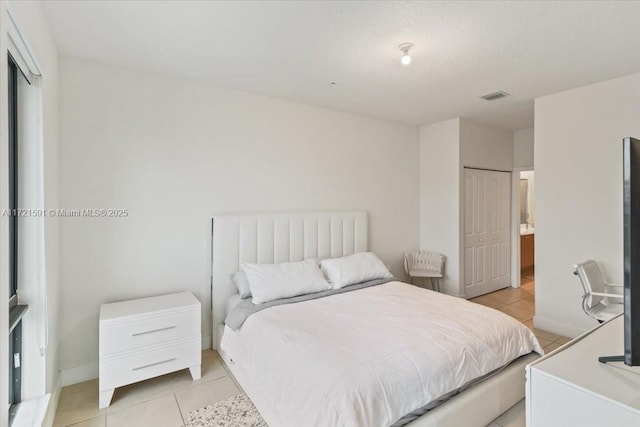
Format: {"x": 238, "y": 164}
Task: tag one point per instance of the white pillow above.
{"x": 241, "y": 282}
{"x": 269, "y": 282}
{"x": 352, "y": 269}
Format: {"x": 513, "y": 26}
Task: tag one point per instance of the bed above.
{"x": 389, "y": 354}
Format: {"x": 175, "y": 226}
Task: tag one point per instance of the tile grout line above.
{"x": 184, "y": 423}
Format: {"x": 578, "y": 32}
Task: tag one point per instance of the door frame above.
{"x": 515, "y": 223}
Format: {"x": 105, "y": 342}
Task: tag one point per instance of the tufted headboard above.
{"x": 273, "y": 238}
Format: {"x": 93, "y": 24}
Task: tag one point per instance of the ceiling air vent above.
{"x": 495, "y": 95}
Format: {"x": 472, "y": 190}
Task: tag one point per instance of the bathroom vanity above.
{"x": 527, "y": 249}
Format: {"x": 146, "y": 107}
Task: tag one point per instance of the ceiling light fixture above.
{"x": 406, "y": 59}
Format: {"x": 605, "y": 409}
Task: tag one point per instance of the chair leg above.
{"x": 437, "y": 284}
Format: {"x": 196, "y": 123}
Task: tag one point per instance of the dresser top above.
{"x": 147, "y": 305}
{"x": 577, "y": 364}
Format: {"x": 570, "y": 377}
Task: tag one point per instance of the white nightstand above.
{"x": 148, "y": 337}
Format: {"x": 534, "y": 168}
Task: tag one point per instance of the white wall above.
{"x": 523, "y": 148}
{"x": 174, "y": 153}
{"x": 440, "y": 196}
{"x": 482, "y": 147}
{"x": 42, "y": 375}
{"x": 485, "y": 147}
{"x": 446, "y": 148}
{"x": 578, "y": 158}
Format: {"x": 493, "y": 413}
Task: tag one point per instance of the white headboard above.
{"x": 273, "y": 238}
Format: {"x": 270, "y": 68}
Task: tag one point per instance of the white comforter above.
{"x": 368, "y": 357}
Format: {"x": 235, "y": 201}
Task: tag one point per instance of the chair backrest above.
{"x": 424, "y": 260}
{"x": 592, "y": 281}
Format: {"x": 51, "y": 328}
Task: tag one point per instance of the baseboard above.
{"x": 78, "y": 374}
{"x": 50, "y": 415}
{"x": 558, "y": 328}
{"x": 90, "y": 371}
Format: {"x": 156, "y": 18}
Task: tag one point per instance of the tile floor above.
{"x": 165, "y": 401}
{"x": 159, "y": 402}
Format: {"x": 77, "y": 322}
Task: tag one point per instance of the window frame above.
{"x": 13, "y": 178}
{"x": 15, "y": 310}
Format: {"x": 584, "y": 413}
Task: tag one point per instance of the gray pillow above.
{"x": 241, "y": 282}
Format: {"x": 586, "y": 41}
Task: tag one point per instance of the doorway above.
{"x": 526, "y": 261}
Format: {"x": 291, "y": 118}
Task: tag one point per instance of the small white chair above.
{"x": 601, "y": 301}
{"x": 425, "y": 264}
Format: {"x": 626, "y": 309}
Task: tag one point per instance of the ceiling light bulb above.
{"x": 404, "y": 47}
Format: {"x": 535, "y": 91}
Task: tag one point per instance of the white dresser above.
{"x": 569, "y": 387}
{"x": 144, "y": 338}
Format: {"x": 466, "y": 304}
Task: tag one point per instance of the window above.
{"x": 26, "y": 264}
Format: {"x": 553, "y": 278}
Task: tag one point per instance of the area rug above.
{"x": 235, "y": 411}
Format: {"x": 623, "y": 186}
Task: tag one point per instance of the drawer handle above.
{"x": 153, "y": 364}
{"x": 151, "y": 332}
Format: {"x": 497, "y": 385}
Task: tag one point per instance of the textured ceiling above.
{"x": 293, "y": 50}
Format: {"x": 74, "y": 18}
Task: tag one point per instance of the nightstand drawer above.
{"x": 133, "y": 334}
{"x": 157, "y": 360}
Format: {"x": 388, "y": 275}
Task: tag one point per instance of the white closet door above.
{"x": 486, "y": 231}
